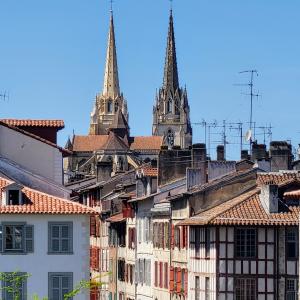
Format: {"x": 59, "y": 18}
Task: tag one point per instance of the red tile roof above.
{"x": 40, "y": 203}
{"x": 292, "y": 195}
{"x": 89, "y": 143}
{"x": 278, "y": 177}
{"x": 146, "y": 143}
{"x": 34, "y": 123}
{"x": 63, "y": 150}
{"x": 244, "y": 210}
{"x": 147, "y": 170}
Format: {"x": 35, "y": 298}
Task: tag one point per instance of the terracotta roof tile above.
{"x": 292, "y": 195}
{"x": 147, "y": 170}
{"x": 278, "y": 178}
{"x": 139, "y": 143}
{"x": 35, "y": 123}
{"x": 40, "y": 203}
{"x": 244, "y": 210}
{"x": 89, "y": 143}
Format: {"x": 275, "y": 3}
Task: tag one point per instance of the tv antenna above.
{"x": 252, "y": 95}
{"x": 4, "y": 96}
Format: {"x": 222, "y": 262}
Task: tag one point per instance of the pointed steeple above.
{"x": 111, "y": 87}
{"x": 171, "y": 73}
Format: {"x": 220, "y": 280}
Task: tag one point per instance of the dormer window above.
{"x": 12, "y": 195}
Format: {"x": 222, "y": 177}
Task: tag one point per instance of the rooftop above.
{"x": 40, "y": 203}
{"x": 34, "y": 123}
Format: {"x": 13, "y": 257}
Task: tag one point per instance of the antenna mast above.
{"x": 4, "y": 96}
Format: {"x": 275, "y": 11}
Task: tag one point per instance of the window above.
{"x": 60, "y": 284}
{"x": 143, "y": 271}
{"x": 292, "y": 243}
{"x": 14, "y": 286}
{"x": 291, "y": 289}
{"x": 197, "y": 288}
{"x": 245, "y": 289}
{"x": 121, "y": 270}
{"x": 170, "y": 138}
{"x": 14, "y": 197}
{"x": 207, "y": 242}
{"x": 16, "y": 238}
{"x": 60, "y": 238}
{"x": 166, "y": 276}
{"x": 109, "y": 106}
{"x": 197, "y": 242}
{"x": 207, "y": 288}
{"x": 169, "y": 105}
{"x": 245, "y": 243}
{"x": 177, "y": 237}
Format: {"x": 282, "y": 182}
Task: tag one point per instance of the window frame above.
{"x": 246, "y": 256}
{"x": 59, "y": 274}
{"x": 293, "y": 292}
{"x": 288, "y": 242}
{"x": 70, "y": 238}
{"x": 242, "y": 287}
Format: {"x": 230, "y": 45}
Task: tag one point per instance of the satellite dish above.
{"x": 248, "y": 135}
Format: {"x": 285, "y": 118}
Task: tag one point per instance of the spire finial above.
{"x": 171, "y": 6}
{"x": 111, "y": 6}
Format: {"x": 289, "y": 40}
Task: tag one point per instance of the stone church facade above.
{"x": 109, "y": 144}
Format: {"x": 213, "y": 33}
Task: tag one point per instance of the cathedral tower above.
{"x": 110, "y": 103}
{"x": 171, "y": 113}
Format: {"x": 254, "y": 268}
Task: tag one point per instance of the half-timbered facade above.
{"x": 247, "y": 247}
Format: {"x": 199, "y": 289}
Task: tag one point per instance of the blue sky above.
{"x": 52, "y": 58}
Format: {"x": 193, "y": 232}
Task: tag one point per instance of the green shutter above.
{"x": 29, "y": 237}
{"x": 1, "y": 238}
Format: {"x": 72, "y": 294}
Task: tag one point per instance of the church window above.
{"x": 176, "y": 107}
{"x": 109, "y": 106}
{"x": 169, "y": 105}
{"x": 116, "y": 106}
{"x": 170, "y": 138}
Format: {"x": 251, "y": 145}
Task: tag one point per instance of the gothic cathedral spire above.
{"x": 111, "y": 77}
{"x": 171, "y": 112}
{"x": 171, "y": 73}
{"x": 110, "y": 103}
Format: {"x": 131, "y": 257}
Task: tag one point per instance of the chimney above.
{"x": 244, "y": 154}
{"x": 104, "y": 170}
{"x": 259, "y": 151}
{"x": 220, "y": 153}
{"x": 281, "y": 155}
{"x": 198, "y": 155}
{"x": 269, "y": 197}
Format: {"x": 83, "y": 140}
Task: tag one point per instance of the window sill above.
{"x": 14, "y": 253}
{"x": 60, "y": 253}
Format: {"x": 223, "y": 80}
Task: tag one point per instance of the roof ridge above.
{"x": 35, "y": 137}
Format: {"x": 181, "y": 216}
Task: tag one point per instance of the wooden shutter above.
{"x": 93, "y": 225}
{"x": 1, "y": 238}
{"x": 29, "y": 235}
{"x": 181, "y": 237}
{"x": 97, "y": 267}
{"x": 97, "y": 227}
{"x": 185, "y": 281}
{"x": 178, "y": 280}
{"x": 161, "y": 274}
{"x": 171, "y": 279}
{"x": 155, "y": 275}
{"x": 166, "y": 275}
{"x": 172, "y": 236}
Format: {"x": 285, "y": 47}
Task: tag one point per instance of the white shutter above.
{"x": 136, "y": 272}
